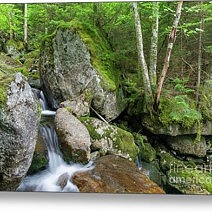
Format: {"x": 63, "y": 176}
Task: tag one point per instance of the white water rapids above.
{"x": 58, "y": 174}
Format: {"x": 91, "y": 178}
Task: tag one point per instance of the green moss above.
{"x": 191, "y": 181}
{"x": 68, "y": 109}
{"x": 88, "y": 96}
{"x": 167, "y": 161}
{"x": 4, "y": 85}
{"x": 87, "y": 121}
{"x": 123, "y": 141}
{"x": 39, "y": 109}
{"x": 178, "y": 110}
{"x": 39, "y": 162}
{"x": 147, "y": 152}
{"x": 17, "y": 44}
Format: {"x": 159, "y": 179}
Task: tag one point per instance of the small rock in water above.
{"x": 62, "y": 180}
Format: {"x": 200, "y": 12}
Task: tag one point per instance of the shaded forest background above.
{"x": 26, "y": 25}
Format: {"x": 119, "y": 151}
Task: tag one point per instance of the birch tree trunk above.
{"x": 199, "y": 68}
{"x": 25, "y": 26}
{"x": 171, "y": 41}
{"x": 154, "y": 45}
{"x": 141, "y": 59}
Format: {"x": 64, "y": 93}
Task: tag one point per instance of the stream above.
{"x": 58, "y": 174}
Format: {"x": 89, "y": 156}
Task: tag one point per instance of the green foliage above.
{"x": 4, "y": 85}
{"x": 179, "y": 110}
{"x": 180, "y": 86}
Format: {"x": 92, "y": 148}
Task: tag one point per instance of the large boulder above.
{"x": 113, "y": 174}
{"x": 73, "y": 135}
{"x": 70, "y": 67}
{"x": 187, "y": 145}
{"x": 19, "y": 117}
{"x": 109, "y": 139}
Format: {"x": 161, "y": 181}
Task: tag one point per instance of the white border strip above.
{"x": 72, "y": 1}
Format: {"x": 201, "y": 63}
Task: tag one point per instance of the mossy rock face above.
{"x": 186, "y": 177}
{"x": 14, "y": 48}
{"x": 75, "y": 60}
{"x": 109, "y": 139}
{"x": 167, "y": 161}
{"x": 187, "y": 145}
{"x": 189, "y": 180}
{"x": 39, "y": 163}
{"x": 147, "y": 152}
{"x": 174, "y": 129}
{"x": 40, "y": 158}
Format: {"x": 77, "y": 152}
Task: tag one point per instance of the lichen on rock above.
{"x": 109, "y": 139}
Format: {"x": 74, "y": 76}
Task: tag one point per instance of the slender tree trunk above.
{"x": 11, "y": 26}
{"x": 199, "y": 68}
{"x": 154, "y": 45}
{"x": 141, "y": 59}
{"x": 25, "y": 27}
{"x": 171, "y": 41}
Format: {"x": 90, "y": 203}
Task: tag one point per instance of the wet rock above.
{"x": 109, "y": 139}
{"x": 62, "y": 180}
{"x": 40, "y": 159}
{"x": 73, "y": 135}
{"x": 19, "y": 119}
{"x": 113, "y": 174}
{"x": 67, "y": 72}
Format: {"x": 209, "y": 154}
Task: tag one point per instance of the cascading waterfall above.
{"x": 58, "y": 174}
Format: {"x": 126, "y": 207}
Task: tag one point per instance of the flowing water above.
{"x": 58, "y": 174}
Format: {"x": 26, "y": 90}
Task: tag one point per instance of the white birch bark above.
{"x": 199, "y": 68}
{"x": 154, "y": 45}
{"x": 141, "y": 59}
{"x": 171, "y": 41}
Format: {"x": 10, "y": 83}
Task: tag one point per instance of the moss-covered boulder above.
{"x": 177, "y": 115}
{"x": 75, "y": 60}
{"x": 186, "y": 177}
{"x": 109, "y": 139}
{"x": 14, "y": 48}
